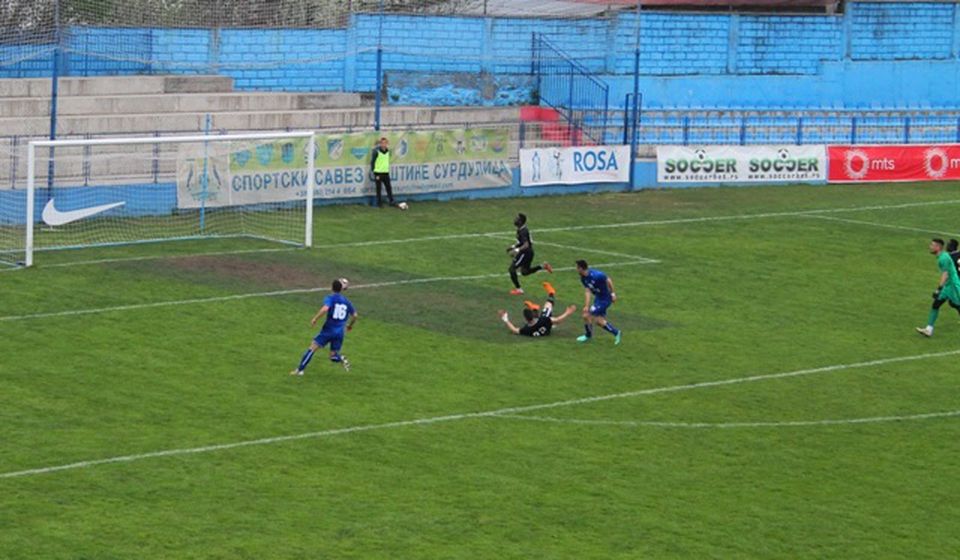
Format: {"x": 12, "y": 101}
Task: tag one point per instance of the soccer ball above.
{"x": 402, "y": 206}
{"x": 345, "y": 283}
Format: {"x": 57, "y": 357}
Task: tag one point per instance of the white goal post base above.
{"x": 118, "y": 191}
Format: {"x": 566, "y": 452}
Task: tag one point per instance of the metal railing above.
{"x": 581, "y": 99}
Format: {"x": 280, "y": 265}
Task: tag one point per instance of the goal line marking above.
{"x": 515, "y": 410}
{"x": 672, "y": 221}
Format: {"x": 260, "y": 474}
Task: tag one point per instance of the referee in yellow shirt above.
{"x": 380, "y": 165}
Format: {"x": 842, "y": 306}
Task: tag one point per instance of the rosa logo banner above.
{"x": 572, "y": 166}
{"x": 276, "y": 171}
{"x": 741, "y": 164}
{"x": 855, "y": 164}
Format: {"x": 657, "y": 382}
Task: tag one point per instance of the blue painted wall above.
{"x": 902, "y": 31}
{"x": 848, "y": 84}
{"x": 884, "y": 54}
{"x": 784, "y": 44}
{"x": 26, "y": 61}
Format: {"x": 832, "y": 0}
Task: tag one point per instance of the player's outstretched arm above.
{"x": 321, "y": 313}
{"x": 506, "y": 320}
{"x": 613, "y": 294}
{"x": 353, "y": 319}
{"x": 558, "y": 319}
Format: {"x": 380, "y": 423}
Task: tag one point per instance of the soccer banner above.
{"x": 864, "y": 164}
{"x": 741, "y": 164}
{"x": 574, "y": 166}
{"x": 276, "y": 170}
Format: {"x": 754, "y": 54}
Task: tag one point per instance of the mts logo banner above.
{"x": 864, "y": 164}
{"x": 741, "y": 164}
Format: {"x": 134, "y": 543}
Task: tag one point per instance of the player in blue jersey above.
{"x": 599, "y": 285}
{"x": 338, "y": 310}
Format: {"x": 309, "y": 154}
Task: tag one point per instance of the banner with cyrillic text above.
{"x": 276, "y": 170}
{"x": 574, "y": 166}
{"x": 918, "y": 162}
{"x": 741, "y": 164}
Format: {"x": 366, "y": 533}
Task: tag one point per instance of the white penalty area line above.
{"x": 184, "y": 256}
{"x": 673, "y": 221}
{"x": 492, "y": 235}
{"x": 637, "y": 258}
{"x": 882, "y": 225}
{"x": 733, "y": 217}
{"x": 502, "y": 412}
{"x": 280, "y": 293}
{"x": 725, "y": 425}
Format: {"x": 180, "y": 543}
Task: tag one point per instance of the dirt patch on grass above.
{"x": 240, "y": 270}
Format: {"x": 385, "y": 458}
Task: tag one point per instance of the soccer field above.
{"x": 770, "y": 398}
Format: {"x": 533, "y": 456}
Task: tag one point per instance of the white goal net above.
{"x": 121, "y": 191}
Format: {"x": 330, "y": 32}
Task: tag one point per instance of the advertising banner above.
{"x": 573, "y": 166}
{"x": 864, "y": 164}
{"x": 276, "y": 170}
{"x": 741, "y": 164}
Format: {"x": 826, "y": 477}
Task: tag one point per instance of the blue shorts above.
{"x": 599, "y": 307}
{"x": 335, "y": 339}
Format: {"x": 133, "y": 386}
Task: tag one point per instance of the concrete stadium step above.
{"x": 193, "y": 122}
{"x": 24, "y": 107}
{"x": 115, "y": 86}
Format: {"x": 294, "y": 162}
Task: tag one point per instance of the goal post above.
{"x": 120, "y": 191}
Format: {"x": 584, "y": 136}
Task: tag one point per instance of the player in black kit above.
{"x": 522, "y": 252}
{"x": 538, "y": 324}
{"x": 953, "y": 249}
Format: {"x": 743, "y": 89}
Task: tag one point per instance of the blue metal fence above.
{"x": 807, "y": 127}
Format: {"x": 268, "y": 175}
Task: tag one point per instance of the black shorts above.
{"x": 523, "y": 259}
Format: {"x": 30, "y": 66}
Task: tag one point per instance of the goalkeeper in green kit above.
{"x": 948, "y": 290}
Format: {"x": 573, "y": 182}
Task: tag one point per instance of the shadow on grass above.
{"x": 461, "y": 308}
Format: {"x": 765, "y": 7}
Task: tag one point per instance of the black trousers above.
{"x": 522, "y": 262}
{"x": 937, "y": 303}
{"x": 383, "y": 180}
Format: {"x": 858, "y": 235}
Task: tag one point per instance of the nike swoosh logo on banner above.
{"x": 52, "y": 216}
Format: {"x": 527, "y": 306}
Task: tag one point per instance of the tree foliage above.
{"x": 38, "y": 18}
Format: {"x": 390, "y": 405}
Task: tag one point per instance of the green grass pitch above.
{"x": 770, "y": 398}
